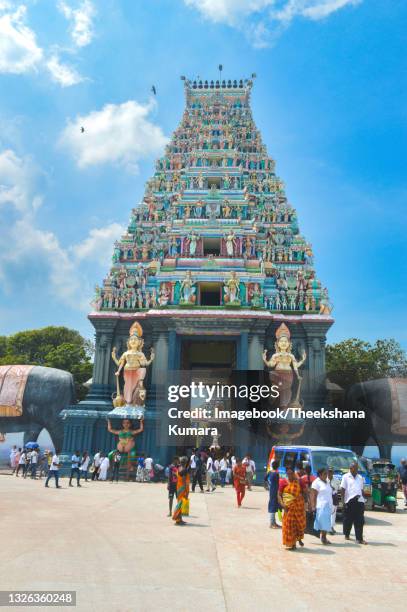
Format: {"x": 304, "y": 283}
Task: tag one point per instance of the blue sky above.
{"x": 329, "y": 98}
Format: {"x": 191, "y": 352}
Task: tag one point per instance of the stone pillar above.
{"x": 156, "y": 398}
{"x": 101, "y": 388}
{"x": 315, "y": 338}
{"x": 255, "y": 351}
{"x": 78, "y": 430}
{"x": 243, "y": 352}
{"x": 160, "y": 363}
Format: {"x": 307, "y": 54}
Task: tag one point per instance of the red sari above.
{"x": 239, "y": 481}
{"x": 294, "y": 516}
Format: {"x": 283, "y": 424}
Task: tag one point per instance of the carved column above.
{"x": 255, "y": 350}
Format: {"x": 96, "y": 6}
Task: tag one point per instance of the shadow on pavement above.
{"x": 369, "y": 520}
{"x": 315, "y": 551}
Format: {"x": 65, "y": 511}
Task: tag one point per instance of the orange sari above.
{"x": 294, "y": 516}
{"x": 182, "y": 493}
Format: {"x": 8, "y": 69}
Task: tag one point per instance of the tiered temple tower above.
{"x": 211, "y": 264}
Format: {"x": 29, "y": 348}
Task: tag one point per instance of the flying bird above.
{"x": 153, "y": 89}
{"x": 82, "y": 130}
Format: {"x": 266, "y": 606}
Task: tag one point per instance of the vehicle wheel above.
{"x": 392, "y": 508}
{"x": 373, "y": 506}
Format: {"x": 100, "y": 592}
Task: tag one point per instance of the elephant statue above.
{"x": 385, "y": 402}
{"x": 39, "y": 394}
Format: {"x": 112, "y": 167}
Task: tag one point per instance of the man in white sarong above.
{"x": 104, "y": 466}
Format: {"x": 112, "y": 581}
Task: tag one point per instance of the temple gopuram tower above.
{"x": 211, "y": 264}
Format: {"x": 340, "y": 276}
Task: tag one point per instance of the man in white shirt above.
{"x": 116, "y": 466}
{"x": 250, "y": 470}
{"x": 353, "y": 503}
{"x": 192, "y": 461}
{"x": 197, "y": 470}
{"x": 209, "y": 474}
{"x": 75, "y": 461}
{"x": 21, "y": 462}
{"x": 97, "y": 460}
{"x": 148, "y": 469}
{"x": 84, "y": 466}
{"x": 13, "y": 455}
{"x": 223, "y": 469}
{"x": 54, "y": 470}
{"x": 27, "y": 463}
{"x": 34, "y": 463}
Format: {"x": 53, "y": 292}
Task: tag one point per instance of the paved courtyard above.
{"x": 116, "y": 547}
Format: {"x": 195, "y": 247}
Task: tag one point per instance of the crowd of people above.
{"x": 35, "y": 464}
{"x": 303, "y": 502}
{"x": 309, "y": 503}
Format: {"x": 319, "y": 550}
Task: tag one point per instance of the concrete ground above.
{"x": 115, "y": 546}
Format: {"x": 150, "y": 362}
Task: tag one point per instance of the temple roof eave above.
{"x": 227, "y": 313}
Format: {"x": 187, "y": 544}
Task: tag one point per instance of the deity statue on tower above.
{"x": 134, "y": 364}
{"x": 188, "y": 289}
{"x": 230, "y": 240}
{"x": 283, "y": 366}
{"x": 232, "y": 289}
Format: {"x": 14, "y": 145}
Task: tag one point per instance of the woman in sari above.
{"x": 239, "y": 481}
{"x": 182, "y": 489}
{"x": 291, "y": 499}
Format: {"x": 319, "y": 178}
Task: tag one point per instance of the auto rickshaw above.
{"x": 384, "y": 484}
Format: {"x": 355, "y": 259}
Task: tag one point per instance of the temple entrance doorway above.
{"x": 210, "y": 362}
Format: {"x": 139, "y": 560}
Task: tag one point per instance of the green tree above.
{"x": 3, "y": 346}
{"x": 54, "y": 347}
{"x": 354, "y": 360}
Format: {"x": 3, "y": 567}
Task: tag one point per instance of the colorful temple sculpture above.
{"x": 210, "y": 267}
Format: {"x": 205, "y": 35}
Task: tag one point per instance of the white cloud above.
{"x": 98, "y": 246}
{"x": 66, "y": 273}
{"x": 228, "y": 11}
{"x": 311, "y": 9}
{"x": 16, "y": 179}
{"x": 62, "y": 73}
{"x": 263, "y": 20}
{"x": 19, "y": 51}
{"x": 81, "y": 20}
{"x": 119, "y": 133}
